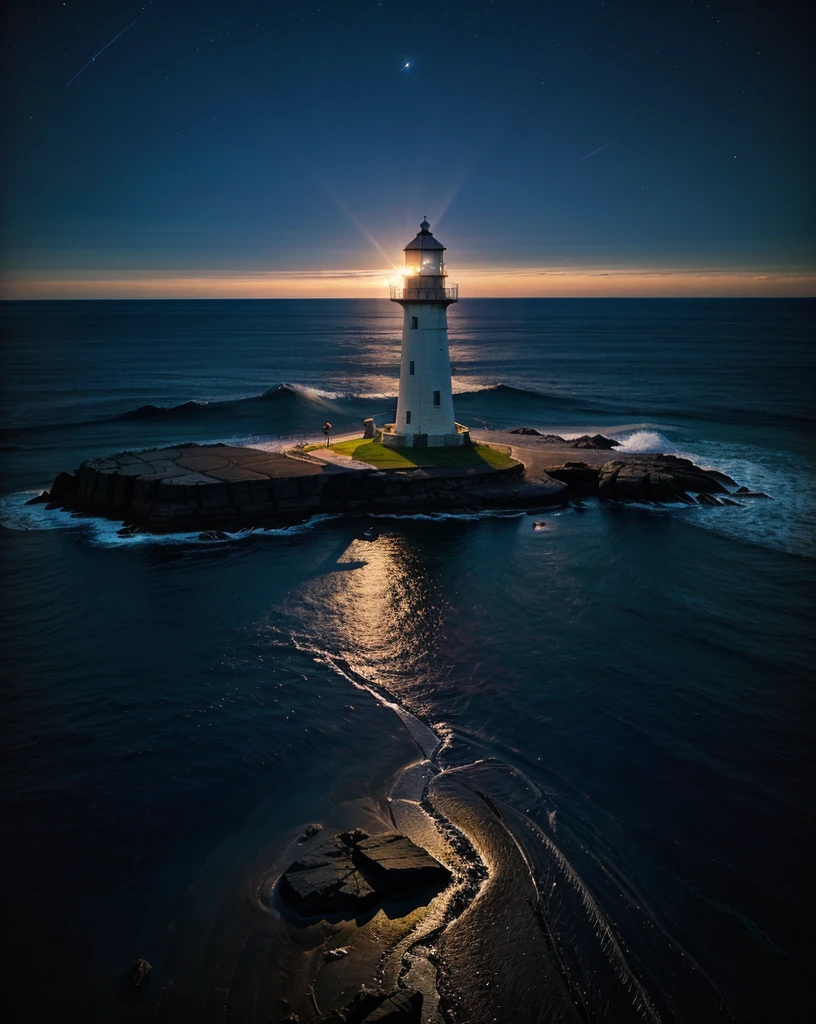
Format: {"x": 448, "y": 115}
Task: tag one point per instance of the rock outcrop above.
{"x": 658, "y": 478}
{"x": 591, "y": 441}
{"x": 354, "y": 871}
{"x": 594, "y": 441}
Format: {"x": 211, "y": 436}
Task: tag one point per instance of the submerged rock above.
{"x": 746, "y": 492}
{"x": 40, "y": 499}
{"x": 708, "y": 499}
{"x": 213, "y": 535}
{"x": 309, "y": 831}
{"x": 135, "y": 982}
{"x": 335, "y": 954}
{"x": 141, "y": 970}
{"x": 356, "y": 834}
{"x": 354, "y": 871}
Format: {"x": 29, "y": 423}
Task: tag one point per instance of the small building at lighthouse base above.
{"x": 391, "y": 438}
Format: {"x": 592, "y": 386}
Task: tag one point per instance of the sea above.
{"x": 175, "y": 709}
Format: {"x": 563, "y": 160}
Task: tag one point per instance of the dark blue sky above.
{"x": 247, "y": 140}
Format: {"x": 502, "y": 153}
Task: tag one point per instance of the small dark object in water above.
{"x": 127, "y": 531}
{"x": 539, "y": 525}
{"x": 335, "y": 954}
{"x": 372, "y": 533}
{"x": 40, "y": 499}
{"x": 744, "y": 492}
{"x": 309, "y": 831}
{"x": 140, "y": 972}
{"x": 213, "y": 535}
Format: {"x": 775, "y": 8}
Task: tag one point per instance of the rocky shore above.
{"x": 221, "y": 487}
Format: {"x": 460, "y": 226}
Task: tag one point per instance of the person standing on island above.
{"x": 327, "y": 429}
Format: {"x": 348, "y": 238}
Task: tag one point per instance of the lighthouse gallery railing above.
{"x": 409, "y": 294}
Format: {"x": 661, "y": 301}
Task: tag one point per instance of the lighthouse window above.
{"x": 411, "y": 367}
{"x": 414, "y": 323}
{"x": 408, "y": 416}
{"x": 437, "y": 397}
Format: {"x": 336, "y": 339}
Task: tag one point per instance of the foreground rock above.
{"x": 374, "y": 1006}
{"x": 352, "y": 872}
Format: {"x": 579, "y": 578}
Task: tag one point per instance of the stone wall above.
{"x": 167, "y": 505}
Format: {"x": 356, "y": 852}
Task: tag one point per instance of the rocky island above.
{"x": 223, "y": 487}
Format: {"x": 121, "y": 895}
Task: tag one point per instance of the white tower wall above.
{"x": 425, "y": 405}
{"x": 425, "y": 352}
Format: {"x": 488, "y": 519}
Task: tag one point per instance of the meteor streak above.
{"x": 76, "y": 76}
{"x": 598, "y": 150}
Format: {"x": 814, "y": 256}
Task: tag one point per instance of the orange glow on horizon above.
{"x": 511, "y": 282}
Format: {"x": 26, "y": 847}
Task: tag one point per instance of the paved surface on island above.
{"x": 539, "y": 455}
{"x": 208, "y": 464}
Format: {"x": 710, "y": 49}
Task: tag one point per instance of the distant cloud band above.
{"x": 566, "y": 282}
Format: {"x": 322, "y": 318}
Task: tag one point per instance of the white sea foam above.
{"x": 16, "y": 514}
{"x": 316, "y": 393}
{"x": 785, "y": 523}
{"x": 439, "y": 517}
{"x": 645, "y": 441}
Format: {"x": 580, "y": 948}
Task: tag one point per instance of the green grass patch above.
{"x": 376, "y": 454}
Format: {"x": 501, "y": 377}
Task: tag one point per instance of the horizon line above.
{"x": 505, "y": 282}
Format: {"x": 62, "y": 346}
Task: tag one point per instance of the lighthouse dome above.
{"x": 424, "y": 239}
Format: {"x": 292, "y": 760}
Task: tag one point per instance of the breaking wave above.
{"x": 646, "y": 441}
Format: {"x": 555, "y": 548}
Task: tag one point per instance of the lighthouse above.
{"x": 425, "y": 405}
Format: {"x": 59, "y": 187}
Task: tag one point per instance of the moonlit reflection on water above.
{"x": 378, "y": 615}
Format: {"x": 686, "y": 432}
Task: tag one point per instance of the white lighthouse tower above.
{"x": 425, "y": 405}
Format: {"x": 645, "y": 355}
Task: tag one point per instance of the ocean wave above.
{"x": 645, "y": 441}
{"x": 282, "y": 391}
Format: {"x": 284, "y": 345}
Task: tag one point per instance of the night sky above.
{"x": 240, "y": 148}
